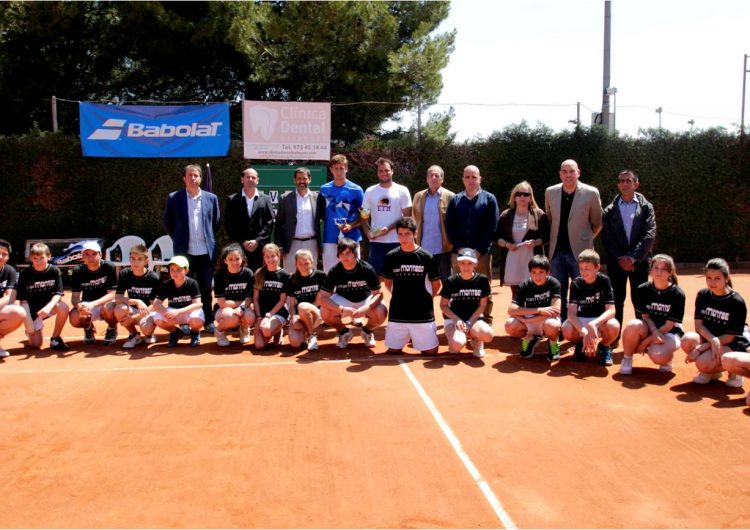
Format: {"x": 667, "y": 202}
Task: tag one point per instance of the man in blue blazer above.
{"x": 191, "y": 219}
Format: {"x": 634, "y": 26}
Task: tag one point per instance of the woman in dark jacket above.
{"x": 522, "y": 231}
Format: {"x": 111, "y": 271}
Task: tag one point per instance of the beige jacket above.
{"x": 418, "y": 213}
{"x": 584, "y": 222}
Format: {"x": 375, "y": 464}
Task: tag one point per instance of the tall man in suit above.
{"x": 249, "y": 218}
{"x": 575, "y": 214}
{"x": 628, "y": 235}
{"x": 191, "y": 219}
{"x": 298, "y": 220}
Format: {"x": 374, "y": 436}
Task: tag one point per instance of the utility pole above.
{"x": 54, "y": 113}
{"x": 607, "y": 40}
{"x": 658, "y": 111}
{"x": 744, "y": 82}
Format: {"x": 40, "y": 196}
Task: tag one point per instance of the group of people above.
{"x": 438, "y": 245}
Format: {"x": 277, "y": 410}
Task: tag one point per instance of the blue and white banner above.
{"x": 154, "y": 131}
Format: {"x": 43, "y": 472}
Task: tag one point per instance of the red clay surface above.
{"x": 209, "y": 437}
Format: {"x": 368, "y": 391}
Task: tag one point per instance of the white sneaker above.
{"x": 478, "y": 347}
{"x": 133, "y": 340}
{"x": 626, "y": 366}
{"x": 4, "y": 353}
{"x": 221, "y": 338}
{"x": 704, "y": 379}
{"x": 368, "y": 338}
{"x": 150, "y": 339}
{"x": 344, "y": 340}
{"x": 245, "y": 335}
{"x": 312, "y": 343}
{"x": 734, "y": 381}
{"x": 666, "y": 368}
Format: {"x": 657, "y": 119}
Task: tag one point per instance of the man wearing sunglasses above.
{"x": 628, "y": 235}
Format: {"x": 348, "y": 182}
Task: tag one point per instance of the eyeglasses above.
{"x": 625, "y": 181}
{"x": 523, "y": 194}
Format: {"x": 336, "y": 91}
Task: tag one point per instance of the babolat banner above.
{"x": 153, "y": 131}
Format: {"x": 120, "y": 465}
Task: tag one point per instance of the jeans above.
{"x": 564, "y": 269}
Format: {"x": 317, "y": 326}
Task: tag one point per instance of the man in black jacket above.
{"x": 249, "y": 218}
{"x": 628, "y": 235}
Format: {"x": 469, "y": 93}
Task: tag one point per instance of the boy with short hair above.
{"x": 40, "y": 291}
{"x": 591, "y": 320}
{"x": 184, "y": 314}
{"x": 93, "y": 285}
{"x": 535, "y": 310}
{"x": 11, "y": 315}
{"x": 136, "y": 290}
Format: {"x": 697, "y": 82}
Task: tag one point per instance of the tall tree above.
{"x": 340, "y": 52}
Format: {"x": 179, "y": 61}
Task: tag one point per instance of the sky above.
{"x": 533, "y": 60}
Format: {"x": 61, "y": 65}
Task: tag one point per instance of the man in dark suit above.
{"x": 628, "y": 235}
{"x": 249, "y": 218}
{"x": 298, "y": 220}
{"x": 191, "y": 219}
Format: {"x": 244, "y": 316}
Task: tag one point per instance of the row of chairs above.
{"x": 162, "y": 248}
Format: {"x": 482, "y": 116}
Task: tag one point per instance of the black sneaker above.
{"x": 110, "y": 336}
{"x": 578, "y": 354}
{"x": 605, "y": 355}
{"x": 57, "y": 344}
{"x": 528, "y": 345}
{"x": 88, "y": 335}
{"x": 195, "y": 339}
{"x": 174, "y": 338}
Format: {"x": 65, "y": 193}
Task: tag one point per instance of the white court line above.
{"x": 456, "y": 444}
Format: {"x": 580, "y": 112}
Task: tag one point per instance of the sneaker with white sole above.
{"x": 344, "y": 339}
{"x": 134, "y": 339}
{"x": 734, "y": 381}
{"x": 149, "y": 339}
{"x": 110, "y": 336}
{"x": 666, "y": 368}
{"x": 478, "y": 348}
{"x": 221, "y": 338}
{"x": 312, "y": 343}
{"x": 626, "y": 366}
{"x": 58, "y": 344}
{"x": 704, "y": 379}
{"x": 89, "y": 336}
{"x": 527, "y": 346}
{"x": 368, "y": 337}
{"x": 245, "y": 335}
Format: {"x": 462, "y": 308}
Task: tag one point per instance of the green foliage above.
{"x": 342, "y": 52}
{"x": 698, "y": 182}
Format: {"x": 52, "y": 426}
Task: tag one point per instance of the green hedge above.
{"x": 699, "y": 182}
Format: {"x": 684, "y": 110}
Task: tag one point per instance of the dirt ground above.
{"x": 228, "y": 438}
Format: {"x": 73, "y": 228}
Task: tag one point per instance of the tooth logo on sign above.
{"x": 263, "y": 120}
{"x": 112, "y": 133}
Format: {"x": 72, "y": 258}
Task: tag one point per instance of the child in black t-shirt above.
{"x": 352, "y": 289}
{"x": 591, "y": 322}
{"x": 720, "y": 314}
{"x": 136, "y": 290}
{"x": 233, "y": 290}
{"x": 184, "y": 314}
{"x": 40, "y": 292}
{"x": 535, "y": 310}
{"x": 304, "y": 314}
{"x": 463, "y": 300}
{"x": 269, "y": 298}
{"x": 94, "y": 283}
{"x": 661, "y": 304}
{"x": 11, "y": 314}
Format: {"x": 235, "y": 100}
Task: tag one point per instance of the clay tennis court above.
{"x": 209, "y": 437}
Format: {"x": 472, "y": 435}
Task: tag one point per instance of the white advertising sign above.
{"x": 274, "y": 130}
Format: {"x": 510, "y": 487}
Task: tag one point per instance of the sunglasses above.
{"x": 523, "y": 194}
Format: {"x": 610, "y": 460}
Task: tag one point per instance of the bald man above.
{"x": 575, "y": 214}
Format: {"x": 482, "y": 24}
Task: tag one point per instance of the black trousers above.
{"x": 202, "y": 270}
{"x": 619, "y": 279}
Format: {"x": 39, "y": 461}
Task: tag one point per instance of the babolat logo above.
{"x": 113, "y": 128}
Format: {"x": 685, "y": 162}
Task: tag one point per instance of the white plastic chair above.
{"x": 164, "y": 243}
{"x": 125, "y": 243}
